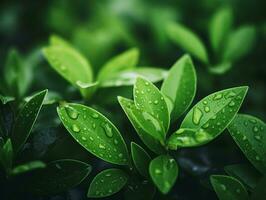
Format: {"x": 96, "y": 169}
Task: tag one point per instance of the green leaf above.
{"x": 187, "y": 40}
{"x": 250, "y": 135}
{"x": 6, "y": 99}
{"x": 208, "y": 118}
{"x": 141, "y": 159}
{"x": 180, "y": 86}
{"x": 148, "y": 98}
{"x": 6, "y": 155}
{"x": 55, "y": 40}
{"x": 220, "y": 27}
{"x": 107, "y": 183}
{"x": 134, "y": 115}
{"x": 259, "y": 192}
{"x": 70, "y": 64}
{"x": 87, "y": 89}
{"x": 234, "y": 48}
{"x": 33, "y": 165}
{"x": 163, "y": 170}
{"x": 26, "y": 119}
{"x": 58, "y": 176}
{"x": 126, "y": 60}
{"x": 245, "y": 173}
{"x": 227, "y": 187}
{"x": 220, "y": 68}
{"x": 128, "y": 77}
{"x": 94, "y": 132}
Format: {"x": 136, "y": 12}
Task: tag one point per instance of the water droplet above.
{"x": 253, "y": 121}
{"x": 257, "y": 137}
{"x": 205, "y": 102}
{"x": 120, "y": 155}
{"x": 238, "y": 191}
{"x": 115, "y": 141}
{"x": 108, "y": 175}
{"x": 83, "y": 138}
{"x": 217, "y": 97}
{"x": 156, "y": 102}
{"x": 206, "y": 125}
{"x": 244, "y": 137}
{"x": 255, "y": 129}
{"x": 75, "y": 128}
{"x": 137, "y": 91}
{"x": 146, "y": 83}
{"x": 245, "y": 123}
{"x": 149, "y": 90}
{"x": 197, "y": 115}
{"x": 93, "y": 125}
{"x": 207, "y": 109}
{"x": 154, "y": 121}
{"x": 71, "y": 112}
{"x": 108, "y": 130}
{"x": 101, "y": 146}
{"x": 110, "y": 190}
{"x": 91, "y": 138}
{"x": 223, "y": 187}
{"x": 158, "y": 171}
{"x": 257, "y": 158}
{"x": 95, "y": 115}
{"x": 232, "y": 103}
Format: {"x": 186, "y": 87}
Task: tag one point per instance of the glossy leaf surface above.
{"x": 180, "y": 86}
{"x": 250, "y": 135}
{"x": 208, "y": 118}
{"x": 227, "y": 187}
{"x": 163, "y": 171}
{"x": 94, "y": 132}
{"x": 141, "y": 159}
{"x": 107, "y": 183}
{"x": 26, "y": 119}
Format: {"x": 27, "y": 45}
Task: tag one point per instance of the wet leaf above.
{"x": 134, "y": 115}
{"x": 187, "y": 40}
{"x": 128, "y": 77}
{"x": 250, "y": 135}
{"x": 33, "y": 165}
{"x": 58, "y": 176}
{"x": 26, "y": 119}
{"x": 148, "y": 98}
{"x": 180, "y": 86}
{"x": 107, "y": 183}
{"x": 220, "y": 27}
{"x": 208, "y": 118}
{"x": 94, "y": 132}
{"x": 70, "y": 64}
{"x": 125, "y": 60}
{"x": 227, "y": 187}
{"x": 245, "y": 173}
{"x": 141, "y": 159}
{"x": 163, "y": 171}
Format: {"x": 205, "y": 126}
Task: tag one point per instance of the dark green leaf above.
{"x": 188, "y": 41}
{"x": 208, "y": 118}
{"x": 126, "y": 60}
{"x": 245, "y": 173}
{"x": 250, "y": 135}
{"x": 28, "y": 167}
{"x": 94, "y": 132}
{"x": 6, "y": 99}
{"x": 180, "y": 86}
{"x": 128, "y": 77}
{"x": 259, "y": 192}
{"x": 234, "y": 48}
{"x": 134, "y": 115}
{"x": 58, "y": 176}
{"x": 107, "y": 183}
{"x": 148, "y": 98}
{"x": 141, "y": 159}
{"x": 6, "y": 155}
{"x": 163, "y": 171}
{"x": 26, "y": 119}
{"x": 220, "y": 27}
{"x": 227, "y": 187}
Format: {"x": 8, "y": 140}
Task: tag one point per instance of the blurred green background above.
{"x": 102, "y": 29}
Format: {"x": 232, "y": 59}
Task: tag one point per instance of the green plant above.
{"x": 226, "y": 42}
{"x": 249, "y": 134}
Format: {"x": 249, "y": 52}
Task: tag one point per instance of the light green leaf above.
{"x": 28, "y": 167}
{"x": 55, "y": 40}
{"x": 128, "y": 77}
{"x": 6, "y": 99}
{"x": 187, "y": 40}
{"x": 134, "y": 115}
{"x": 245, "y": 173}
{"x": 126, "y": 60}
{"x": 26, "y": 119}
{"x": 220, "y": 27}
{"x": 87, "y": 89}
{"x": 107, "y": 183}
{"x": 208, "y": 118}
{"x": 163, "y": 171}
{"x": 70, "y": 64}
{"x": 6, "y": 155}
{"x": 94, "y": 132}
{"x": 141, "y": 159}
{"x": 180, "y": 86}
{"x": 250, "y": 135}
{"x": 58, "y": 176}
{"x": 227, "y": 187}
{"x": 148, "y": 98}
{"x": 234, "y": 48}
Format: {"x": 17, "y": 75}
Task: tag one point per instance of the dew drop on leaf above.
{"x": 75, "y": 128}
{"x": 197, "y": 115}
{"x": 217, "y": 97}
{"x": 71, "y": 112}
